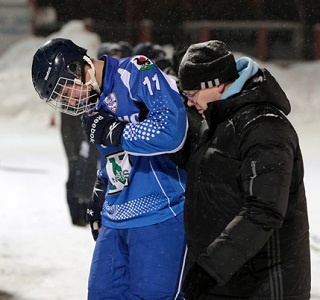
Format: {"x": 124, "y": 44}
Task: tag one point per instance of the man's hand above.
{"x": 102, "y": 128}
{"x": 197, "y": 283}
{"x": 94, "y": 207}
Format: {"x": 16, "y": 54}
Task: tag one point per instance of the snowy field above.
{"x": 44, "y": 257}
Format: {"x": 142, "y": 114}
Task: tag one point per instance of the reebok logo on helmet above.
{"x": 47, "y": 74}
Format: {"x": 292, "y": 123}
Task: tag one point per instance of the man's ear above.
{"x": 221, "y": 88}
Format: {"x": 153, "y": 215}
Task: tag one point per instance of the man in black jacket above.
{"x": 245, "y": 213}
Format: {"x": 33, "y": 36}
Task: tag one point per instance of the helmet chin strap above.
{"x": 92, "y": 73}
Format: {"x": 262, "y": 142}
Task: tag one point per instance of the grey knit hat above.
{"x": 205, "y": 65}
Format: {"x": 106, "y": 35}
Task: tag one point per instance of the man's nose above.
{"x": 191, "y": 102}
{"x": 73, "y": 102}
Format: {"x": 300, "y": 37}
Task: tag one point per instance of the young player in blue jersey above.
{"x": 133, "y": 112}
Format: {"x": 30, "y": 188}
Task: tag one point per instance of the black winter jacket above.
{"x": 245, "y": 212}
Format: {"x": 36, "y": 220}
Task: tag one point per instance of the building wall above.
{"x": 163, "y": 21}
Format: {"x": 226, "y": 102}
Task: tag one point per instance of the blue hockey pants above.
{"x": 139, "y": 263}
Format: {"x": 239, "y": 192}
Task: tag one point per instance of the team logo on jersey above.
{"x": 142, "y": 63}
{"x": 111, "y": 102}
{"x": 118, "y": 168}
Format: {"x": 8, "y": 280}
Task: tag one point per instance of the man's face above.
{"x": 201, "y": 98}
{"x": 73, "y": 93}
{"x": 72, "y": 97}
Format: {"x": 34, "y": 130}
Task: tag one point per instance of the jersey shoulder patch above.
{"x": 112, "y": 102}
{"x": 142, "y": 63}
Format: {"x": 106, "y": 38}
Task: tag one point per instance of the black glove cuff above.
{"x": 96, "y": 201}
{"x": 93, "y": 211}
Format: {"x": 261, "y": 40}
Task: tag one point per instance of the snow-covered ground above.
{"x": 44, "y": 257}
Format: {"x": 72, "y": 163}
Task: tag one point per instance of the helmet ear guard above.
{"x": 92, "y": 74}
{"x": 58, "y": 76}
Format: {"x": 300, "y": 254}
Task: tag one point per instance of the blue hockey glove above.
{"x": 94, "y": 207}
{"x": 102, "y": 128}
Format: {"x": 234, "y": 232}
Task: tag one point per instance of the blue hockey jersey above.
{"x": 144, "y": 186}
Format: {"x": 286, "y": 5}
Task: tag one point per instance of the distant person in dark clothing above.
{"x": 83, "y": 160}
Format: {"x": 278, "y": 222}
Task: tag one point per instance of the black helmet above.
{"x": 126, "y": 48}
{"x": 55, "y": 59}
{"x": 111, "y": 49}
{"x": 58, "y": 68}
{"x": 120, "y": 49}
{"x": 153, "y": 51}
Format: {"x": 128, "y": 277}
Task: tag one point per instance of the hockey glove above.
{"x": 94, "y": 207}
{"x": 197, "y": 283}
{"x": 102, "y": 128}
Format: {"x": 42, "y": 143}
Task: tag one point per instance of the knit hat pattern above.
{"x": 206, "y": 65}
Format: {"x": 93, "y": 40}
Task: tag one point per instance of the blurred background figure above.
{"x": 157, "y": 54}
{"x": 126, "y": 48}
{"x": 82, "y": 167}
{"x": 120, "y": 49}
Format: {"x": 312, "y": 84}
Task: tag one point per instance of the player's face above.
{"x": 74, "y": 93}
{"x": 73, "y": 97}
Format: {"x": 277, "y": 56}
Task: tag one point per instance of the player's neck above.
{"x": 98, "y": 65}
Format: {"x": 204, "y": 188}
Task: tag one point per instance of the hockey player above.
{"x": 140, "y": 246}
